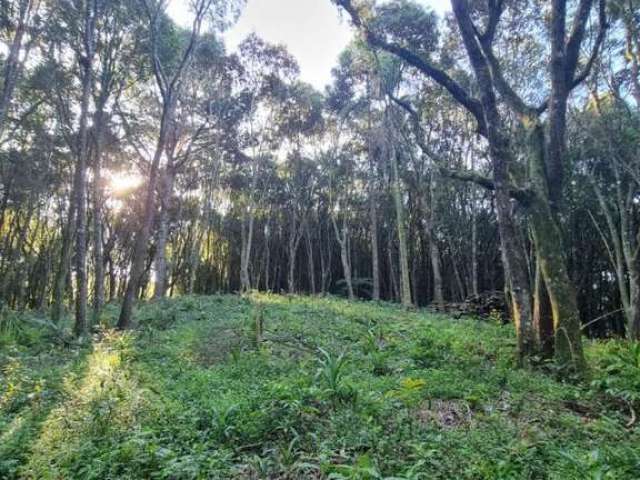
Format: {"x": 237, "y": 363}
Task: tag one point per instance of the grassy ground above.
{"x": 331, "y": 390}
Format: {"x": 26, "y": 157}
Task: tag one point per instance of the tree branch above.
{"x": 522, "y": 195}
{"x": 471, "y": 104}
{"x": 602, "y": 29}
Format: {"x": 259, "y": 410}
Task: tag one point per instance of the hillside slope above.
{"x": 329, "y": 389}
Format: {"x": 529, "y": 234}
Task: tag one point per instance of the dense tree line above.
{"x": 493, "y": 149}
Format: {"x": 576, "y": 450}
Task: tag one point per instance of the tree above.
{"x": 546, "y": 152}
{"x": 169, "y": 80}
{"x": 19, "y": 18}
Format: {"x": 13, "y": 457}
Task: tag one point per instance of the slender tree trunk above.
{"x": 267, "y": 254}
{"x": 343, "y": 240}
{"x": 295, "y": 234}
{"x": 434, "y": 248}
{"x": 375, "y": 249}
{"x": 325, "y": 264}
{"x": 457, "y": 276}
{"x": 113, "y": 281}
{"x": 633, "y": 315}
{"x": 346, "y": 266}
{"x": 394, "y": 291}
{"x": 373, "y": 219}
{"x": 405, "y": 285}
{"x": 194, "y": 257}
{"x": 86, "y": 64}
{"x": 291, "y": 273}
{"x": 64, "y": 265}
{"x": 245, "y": 254}
{"x": 6, "y": 194}
{"x": 310, "y": 260}
{"x": 12, "y": 64}
{"x": 474, "y": 240}
{"x": 142, "y": 236}
{"x": 98, "y": 198}
{"x": 161, "y": 270}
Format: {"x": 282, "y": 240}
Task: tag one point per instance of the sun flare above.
{"x": 122, "y": 183}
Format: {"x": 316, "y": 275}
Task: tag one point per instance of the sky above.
{"x": 312, "y": 30}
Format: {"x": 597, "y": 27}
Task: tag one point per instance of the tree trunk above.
{"x": 375, "y": 250}
{"x": 113, "y": 281}
{"x": 343, "y": 240}
{"x": 393, "y": 285}
{"x": 267, "y": 255}
{"x": 633, "y": 315}
{"x": 142, "y": 237}
{"x": 373, "y": 227}
{"x": 542, "y": 315}
{"x": 434, "y": 255}
{"x": 98, "y": 198}
{"x": 194, "y": 257}
{"x": 245, "y": 254}
{"x": 13, "y": 64}
{"x": 295, "y": 234}
{"x": 86, "y": 65}
{"x": 161, "y": 270}
{"x": 325, "y": 264}
{"x": 346, "y": 266}
{"x": 291, "y": 273}
{"x": 553, "y": 263}
{"x": 64, "y": 265}
{"x": 474, "y": 240}
{"x": 516, "y": 269}
{"x": 405, "y": 286}
{"x": 310, "y": 260}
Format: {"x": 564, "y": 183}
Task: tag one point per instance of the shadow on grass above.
{"x": 85, "y": 398}
{"x": 29, "y": 398}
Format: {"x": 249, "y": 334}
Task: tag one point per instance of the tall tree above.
{"x": 547, "y": 152}
{"x": 169, "y": 78}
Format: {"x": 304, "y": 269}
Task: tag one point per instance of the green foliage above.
{"x": 337, "y": 390}
{"x": 409, "y": 24}
{"x": 426, "y": 352}
{"x": 619, "y": 375}
{"x": 331, "y": 369}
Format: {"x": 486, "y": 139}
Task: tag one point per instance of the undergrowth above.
{"x": 323, "y": 388}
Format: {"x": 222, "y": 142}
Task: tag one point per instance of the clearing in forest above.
{"x": 272, "y": 387}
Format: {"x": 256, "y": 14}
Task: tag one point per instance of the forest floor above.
{"x": 331, "y": 389}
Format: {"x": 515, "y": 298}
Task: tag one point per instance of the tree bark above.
{"x": 550, "y": 253}
{"x": 373, "y": 206}
{"x": 13, "y": 64}
{"x": 142, "y": 237}
{"x": 169, "y": 90}
{"x": 343, "y": 240}
{"x": 86, "y": 67}
{"x": 245, "y": 254}
{"x": 434, "y": 248}
{"x": 542, "y": 315}
{"x": 310, "y": 260}
{"x": 514, "y": 257}
{"x": 405, "y": 285}
{"x": 161, "y": 269}
{"x": 98, "y": 198}
{"x": 64, "y": 265}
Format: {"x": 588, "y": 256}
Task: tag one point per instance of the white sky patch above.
{"x": 312, "y": 30}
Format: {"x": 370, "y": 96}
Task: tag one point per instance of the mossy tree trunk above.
{"x": 551, "y": 257}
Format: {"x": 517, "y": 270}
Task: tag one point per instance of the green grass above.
{"x": 333, "y": 390}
